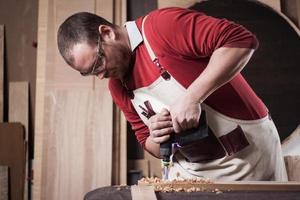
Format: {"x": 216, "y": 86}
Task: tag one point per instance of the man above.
{"x": 168, "y": 67}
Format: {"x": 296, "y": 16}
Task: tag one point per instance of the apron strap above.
{"x": 153, "y": 57}
{"x": 148, "y": 47}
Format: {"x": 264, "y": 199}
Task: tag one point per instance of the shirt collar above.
{"x": 135, "y": 37}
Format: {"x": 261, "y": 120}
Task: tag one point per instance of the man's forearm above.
{"x": 224, "y": 64}
{"x": 152, "y": 148}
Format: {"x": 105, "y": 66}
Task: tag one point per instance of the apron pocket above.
{"x": 234, "y": 141}
{"x": 208, "y": 148}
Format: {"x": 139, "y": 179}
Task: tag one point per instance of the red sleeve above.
{"x": 194, "y": 34}
{"x": 121, "y": 98}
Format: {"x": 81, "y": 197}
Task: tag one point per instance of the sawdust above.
{"x": 190, "y": 185}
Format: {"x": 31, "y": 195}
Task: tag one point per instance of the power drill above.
{"x": 181, "y": 139}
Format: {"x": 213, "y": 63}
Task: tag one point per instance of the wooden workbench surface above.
{"x": 124, "y": 193}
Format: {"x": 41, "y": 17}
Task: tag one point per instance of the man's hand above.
{"x": 185, "y": 114}
{"x": 160, "y": 127}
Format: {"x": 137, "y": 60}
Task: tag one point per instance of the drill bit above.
{"x": 166, "y": 168}
{"x": 165, "y": 153}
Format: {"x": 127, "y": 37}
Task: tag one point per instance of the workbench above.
{"x": 124, "y": 193}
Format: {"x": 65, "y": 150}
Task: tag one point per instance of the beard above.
{"x": 118, "y": 61}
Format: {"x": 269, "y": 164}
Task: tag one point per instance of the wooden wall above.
{"x": 74, "y": 115}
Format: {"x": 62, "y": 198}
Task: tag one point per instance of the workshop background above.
{"x": 70, "y": 138}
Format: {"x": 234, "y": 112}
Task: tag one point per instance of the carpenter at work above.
{"x": 168, "y": 68}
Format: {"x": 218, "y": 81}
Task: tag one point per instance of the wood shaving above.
{"x": 190, "y": 185}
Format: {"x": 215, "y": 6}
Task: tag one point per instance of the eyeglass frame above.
{"x": 100, "y": 55}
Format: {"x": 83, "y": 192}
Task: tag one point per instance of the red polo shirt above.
{"x": 183, "y": 40}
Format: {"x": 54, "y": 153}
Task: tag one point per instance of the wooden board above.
{"x": 233, "y": 186}
{"x": 74, "y": 115}
{"x": 1, "y": 70}
{"x": 142, "y": 192}
{"x": 292, "y": 164}
{"x": 12, "y": 154}
{"x": 78, "y": 149}
{"x": 140, "y": 164}
{"x": 115, "y": 11}
{"x": 290, "y": 146}
{"x": 19, "y": 104}
{"x": 18, "y": 111}
{"x": 155, "y": 165}
{"x": 3, "y": 182}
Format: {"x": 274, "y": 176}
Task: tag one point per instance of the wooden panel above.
{"x": 139, "y": 192}
{"x": 73, "y": 127}
{"x": 18, "y": 112}
{"x": 12, "y": 154}
{"x": 78, "y": 148}
{"x": 3, "y": 183}
{"x": 155, "y": 165}
{"x": 140, "y": 164}
{"x": 1, "y": 70}
{"x": 292, "y": 164}
{"x": 115, "y": 12}
{"x": 18, "y": 104}
{"x": 290, "y": 146}
{"x": 105, "y": 8}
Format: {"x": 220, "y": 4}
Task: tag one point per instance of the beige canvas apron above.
{"x": 235, "y": 149}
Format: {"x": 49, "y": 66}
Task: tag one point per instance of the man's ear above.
{"x": 107, "y": 33}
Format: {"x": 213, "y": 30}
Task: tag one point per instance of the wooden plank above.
{"x": 229, "y": 186}
{"x": 71, "y": 151}
{"x": 144, "y": 192}
{"x": 12, "y": 154}
{"x": 1, "y": 70}
{"x": 290, "y": 146}
{"x": 79, "y": 150}
{"x": 292, "y": 164}
{"x": 140, "y": 164}
{"x": 19, "y": 104}
{"x": 18, "y": 111}
{"x": 155, "y": 165}
{"x": 3, "y": 182}
{"x": 123, "y": 150}
{"x": 115, "y": 11}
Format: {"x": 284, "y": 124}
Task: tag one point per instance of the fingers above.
{"x": 185, "y": 123}
{"x": 161, "y": 126}
{"x": 162, "y": 135}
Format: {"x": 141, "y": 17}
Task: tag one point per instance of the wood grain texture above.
{"x": 3, "y": 182}
{"x": 18, "y": 111}
{"x": 290, "y": 146}
{"x": 19, "y": 104}
{"x": 139, "y": 192}
{"x": 155, "y": 165}
{"x": 73, "y": 123}
{"x": 12, "y": 154}
{"x": 115, "y": 11}
{"x": 1, "y": 70}
{"x": 140, "y": 164}
{"x": 79, "y": 148}
{"x": 292, "y": 164}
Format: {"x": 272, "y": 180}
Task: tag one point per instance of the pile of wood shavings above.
{"x": 168, "y": 186}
